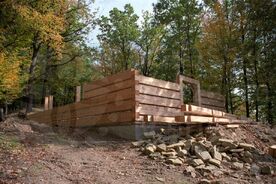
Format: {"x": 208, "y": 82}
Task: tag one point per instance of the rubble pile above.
{"x": 203, "y": 155}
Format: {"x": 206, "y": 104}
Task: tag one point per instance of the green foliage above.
{"x": 182, "y": 20}
{"x": 120, "y": 31}
{"x": 149, "y": 43}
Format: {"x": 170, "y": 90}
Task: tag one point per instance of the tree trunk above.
{"x": 36, "y": 47}
{"x": 256, "y": 79}
{"x": 246, "y": 87}
{"x": 6, "y": 108}
{"x": 146, "y": 62}
{"x": 269, "y": 103}
{"x": 230, "y": 94}
{"x": 181, "y": 67}
{"x": 2, "y": 117}
{"x": 224, "y": 84}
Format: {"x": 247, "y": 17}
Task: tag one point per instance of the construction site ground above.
{"x": 36, "y": 153}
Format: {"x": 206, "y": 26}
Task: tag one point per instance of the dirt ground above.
{"x": 35, "y": 153}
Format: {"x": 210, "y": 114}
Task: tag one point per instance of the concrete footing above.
{"x": 136, "y": 131}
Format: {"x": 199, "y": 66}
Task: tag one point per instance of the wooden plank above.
{"x": 232, "y": 126}
{"x": 81, "y": 110}
{"x": 200, "y": 111}
{"x": 211, "y": 95}
{"x": 156, "y": 91}
{"x": 109, "y": 80}
{"x": 109, "y": 89}
{"x": 196, "y": 119}
{"x": 51, "y": 102}
{"x": 157, "y": 110}
{"x": 78, "y": 94}
{"x": 197, "y": 110}
{"x": 46, "y": 103}
{"x": 163, "y": 119}
{"x": 157, "y": 83}
{"x": 159, "y": 101}
{"x": 212, "y": 102}
{"x": 272, "y": 151}
{"x": 222, "y": 120}
{"x": 125, "y": 94}
{"x": 103, "y": 120}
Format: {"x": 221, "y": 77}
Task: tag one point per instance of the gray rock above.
{"x": 204, "y": 181}
{"x": 255, "y": 169}
{"x": 248, "y": 154}
{"x": 161, "y": 147}
{"x": 191, "y": 171}
{"x": 226, "y": 157}
{"x": 234, "y": 159}
{"x": 202, "y": 153}
{"x": 188, "y": 144}
{"x": 246, "y": 146}
{"x": 150, "y": 148}
{"x": 155, "y": 155}
{"x": 214, "y": 162}
{"x": 215, "y": 154}
{"x": 160, "y": 179}
{"x": 227, "y": 143}
{"x": 237, "y": 165}
{"x": 175, "y": 145}
{"x": 175, "y": 161}
{"x": 268, "y": 170}
{"x": 137, "y": 144}
{"x": 247, "y": 166}
{"x": 236, "y": 150}
{"x": 247, "y": 159}
{"x": 169, "y": 154}
{"x": 171, "y": 138}
{"x": 149, "y": 135}
{"x": 182, "y": 153}
{"x": 196, "y": 162}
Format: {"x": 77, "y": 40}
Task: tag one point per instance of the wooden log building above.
{"x": 130, "y": 98}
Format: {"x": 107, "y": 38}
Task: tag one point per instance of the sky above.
{"x": 104, "y": 6}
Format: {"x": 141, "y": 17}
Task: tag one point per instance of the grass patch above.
{"x": 9, "y": 142}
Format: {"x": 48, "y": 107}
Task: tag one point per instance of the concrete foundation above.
{"x": 136, "y": 131}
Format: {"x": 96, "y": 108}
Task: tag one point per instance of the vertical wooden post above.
{"x": 135, "y": 93}
{"x": 46, "y": 103}
{"x": 51, "y": 101}
{"x": 78, "y": 94}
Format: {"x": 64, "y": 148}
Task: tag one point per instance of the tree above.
{"x": 10, "y": 81}
{"x": 218, "y": 51}
{"x": 120, "y": 30}
{"x": 183, "y": 25}
{"x": 149, "y": 43}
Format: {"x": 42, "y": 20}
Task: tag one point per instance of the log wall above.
{"x": 126, "y": 97}
{"x": 212, "y": 100}
{"x": 157, "y": 100}
{"x": 107, "y": 101}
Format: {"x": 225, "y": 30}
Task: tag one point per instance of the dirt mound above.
{"x": 31, "y": 152}
{"x": 14, "y": 124}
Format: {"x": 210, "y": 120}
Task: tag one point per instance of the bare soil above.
{"x": 35, "y": 153}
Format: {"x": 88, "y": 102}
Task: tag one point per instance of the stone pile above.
{"x": 201, "y": 155}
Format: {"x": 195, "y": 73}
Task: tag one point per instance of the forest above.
{"x": 228, "y": 45}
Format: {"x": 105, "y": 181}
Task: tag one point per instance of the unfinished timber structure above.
{"x": 128, "y": 98}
